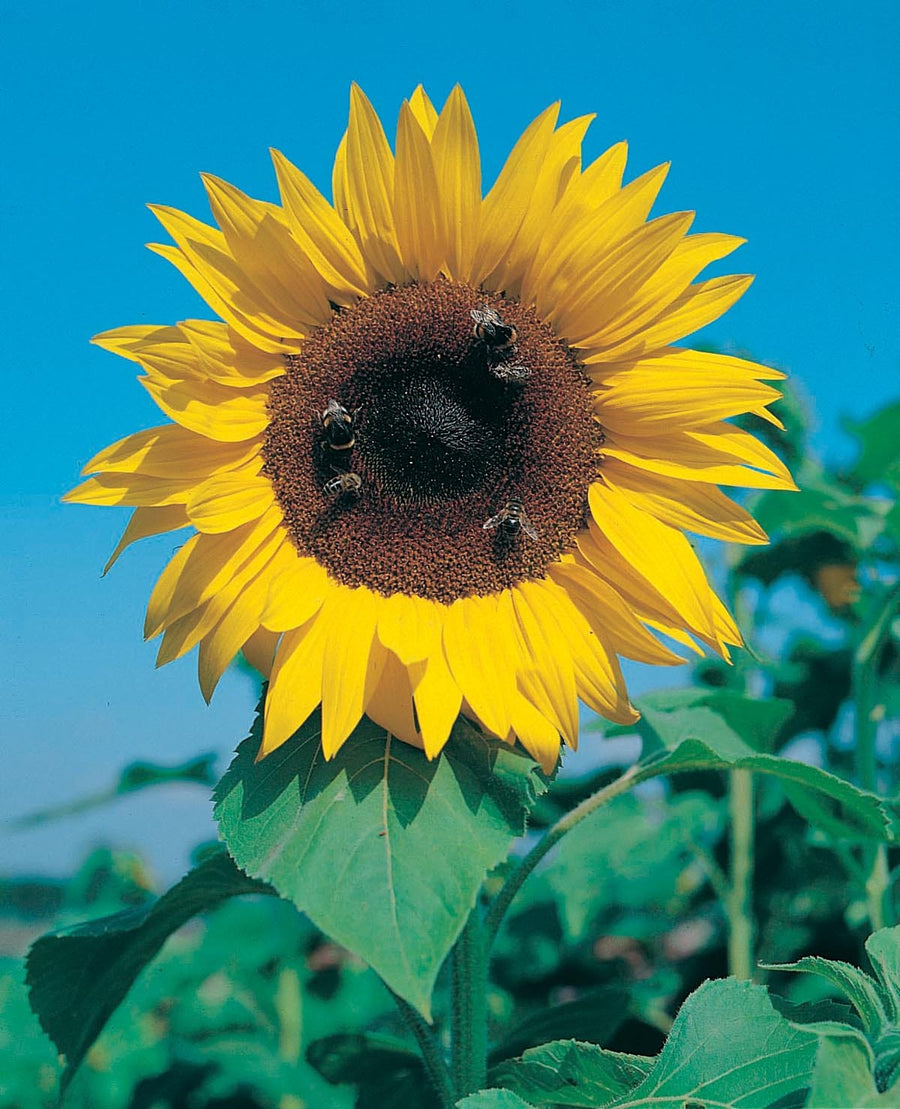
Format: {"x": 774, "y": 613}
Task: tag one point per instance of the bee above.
{"x": 343, "y": 483}
{"x": 339, "y": 426}
{"x": 499, "y": 339}
{"x": 511, "y": 520}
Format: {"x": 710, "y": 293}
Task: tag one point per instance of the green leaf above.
{"x": 702, "y": 737}
{"x": 843, "y": 1075}
{"x": 729, "y": 1047}
{"x": 883, "y": 949}
{"x": 571, "y": 1073}
{"x": 853, "y": 983}
{"x": 594, "y": 1017}
{"x": 135, "y": 777}
{"x": 79, "y": 975}
{"x": 493, "y": 1099}
{"x": 384, "y": 850}
{"x": 387, "y": 1073}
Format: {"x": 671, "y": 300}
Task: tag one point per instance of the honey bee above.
{"x": 339, "y": 426}
{"x": 343, "y": 483}
{"x": 499, "y": 339}
{"x": 511, "y": 520}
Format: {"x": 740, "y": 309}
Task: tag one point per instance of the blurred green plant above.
{"x": 746, "y": 826}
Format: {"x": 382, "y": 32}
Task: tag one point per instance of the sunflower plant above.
{"x": 438, "y": 455}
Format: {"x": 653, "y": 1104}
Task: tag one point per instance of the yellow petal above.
{"x": 409, "y": 627}
{"x": 437, "y": 699}
{"x": 584, "y": 195}
{"x": 144, "y": 522}
{"x": 295, "y": 595}
{"x": 391, "y": 703}
{"x": 458, "y": 171}
{"x": 238, "y": 623}
{"x": 477, "y": 657}
{"x": 577, "y": 247}
{"x": 415, "y": 193}
{"x": 267, "y": 254}
{"x": 550, "y": 675}
{"x": 347, "y": 679}
{"x": 536, "y": 733}
{"x": 720, "y": 454}
{"x": 647, "y": 399}
{"x": 660, "y": 553}
{"x": 321, "y": 233}
{"x": 598, "y": 676}
{"x": 563, "y": 157}
{"x": 369, "y": 183}
{"x": 699, "y": 305}
{"x": 424, "y": 111}
{"x": 203, "y": 257}
{"x": 224, "y": 356}
{"x": 259, "y": 650}
{"x": 689, "y": 505}
{"x": 204, "y": 566}
{"x": 143, "y": 490}
{"x": 662, "y": 288}
{"x": 506, "y": 204}
{"x": 608, "y": 285}
{"x": 228, "y": 500}
{"x": 171, "y": 451}
{"x": 295, "y": 688}
{"x": 609, "y": 616}
{"x": 185, "y": 632}
{"x": 212, "y": 410}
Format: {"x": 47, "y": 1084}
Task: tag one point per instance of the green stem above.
{"x": 469, "y": 1007}
{"x": 514, "y": 882}
{"x": 738, "y": 904}
{"x": 435, "y": 1066}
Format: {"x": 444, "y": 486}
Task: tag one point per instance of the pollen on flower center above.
{"x": 442, "y": 442}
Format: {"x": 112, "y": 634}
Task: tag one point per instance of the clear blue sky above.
{"x": 781, "y": 122}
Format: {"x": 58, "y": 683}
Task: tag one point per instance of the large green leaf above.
{"x": 729, "y": 1047}
{"x": 493, "y": 1099}
{"x": 853, "y": 983}
{"x": 704, "y": 736}
{"x": 572, "y": 1074}
{"x": 79, "y": 975}
{"x": 843, "y": 1075}
{"x": 384, "y": 850}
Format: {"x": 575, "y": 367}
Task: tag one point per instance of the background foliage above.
{"x": 753, "y": 836}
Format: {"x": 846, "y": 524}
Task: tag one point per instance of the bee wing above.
{"x": 495, "y": 521}
{"x": 528, "y": 527}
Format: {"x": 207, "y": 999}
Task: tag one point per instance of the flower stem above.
{"x": 435, "y": 1066}
{"x": 738, "y": 903}
{"x": 469, "y": 1007}
{"x": 514, "y": 882}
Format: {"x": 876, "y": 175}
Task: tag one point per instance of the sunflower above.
{"x": 438, "y": 452}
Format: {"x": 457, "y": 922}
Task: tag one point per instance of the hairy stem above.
{"x": 469, "y": 1007}
{"x": 435, "y": 1065}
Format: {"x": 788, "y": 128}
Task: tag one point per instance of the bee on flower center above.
{"x": 500, "y": 343}
{"x": 339, "y": 426}
{"x": 512, "y": 519}
{"x": 343, "y": 483}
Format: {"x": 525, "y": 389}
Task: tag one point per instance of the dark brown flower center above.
{"x": 449, "y": 430}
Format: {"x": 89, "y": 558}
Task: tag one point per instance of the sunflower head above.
{"x": 438, "y": 452}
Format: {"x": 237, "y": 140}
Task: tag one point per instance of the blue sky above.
{"x": 781, "y": 123}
